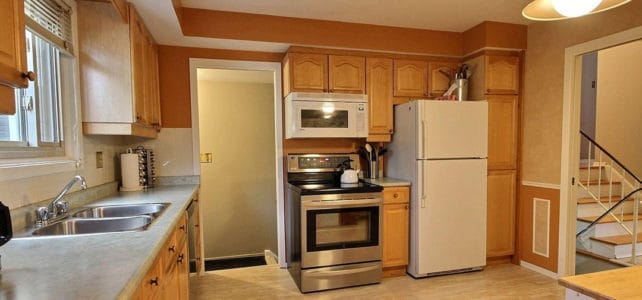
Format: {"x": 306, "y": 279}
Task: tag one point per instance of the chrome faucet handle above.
{"x": 42, "y": 215}
{"x": 61, "y": 208}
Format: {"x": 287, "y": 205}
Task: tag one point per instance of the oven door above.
{"x": 339, "y": 230}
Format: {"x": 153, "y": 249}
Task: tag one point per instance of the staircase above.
{"x": 608, "y": 194}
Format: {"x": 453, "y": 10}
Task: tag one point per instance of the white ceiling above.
{"x": 242, "y": 76}
{"x": 452, "y": 15}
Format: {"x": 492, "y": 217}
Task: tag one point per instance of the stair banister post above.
{"x": 634, "y": 238}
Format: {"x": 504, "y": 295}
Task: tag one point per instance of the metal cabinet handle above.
{"x": 172, "y": 248}
{"x": 406, "y": 207}
{"x": 182, "y": 227}
{"x": 154, "y": 281}
{"x": 180, "y": 258}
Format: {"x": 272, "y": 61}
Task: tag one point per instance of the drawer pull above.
{"x": 396, "y": 195}
{"x": 154, "y": 281}
{"x": 182, "y": 227}
{"x": 180, "y": 258}
{"x": 171, "y": 248}
{"x": 406, "y": 207}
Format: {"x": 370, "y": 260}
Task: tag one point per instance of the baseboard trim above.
{"x": 235, "y": 256}
{"x": 538, "y": 269}
{"x": 541, "y": 185}
{"x": 270, "y": 257}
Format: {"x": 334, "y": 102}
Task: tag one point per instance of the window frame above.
{"x": 69, "y": 156}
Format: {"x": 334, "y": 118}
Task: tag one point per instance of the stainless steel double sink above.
{"x": 104, "y": 219}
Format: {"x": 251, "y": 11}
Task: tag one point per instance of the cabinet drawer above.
{"x": 151, "y": 285}
{"x": 396, "y": 195}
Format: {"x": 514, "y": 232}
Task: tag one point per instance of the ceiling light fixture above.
{"x": 550, "y": 10}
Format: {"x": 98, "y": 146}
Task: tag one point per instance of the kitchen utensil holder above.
{"x": 373, "y": 169}
{"x": 462, "y": 89}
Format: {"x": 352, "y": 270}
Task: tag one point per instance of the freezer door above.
{"x": 451, "y": 129}
{"x": 451, "y": 217}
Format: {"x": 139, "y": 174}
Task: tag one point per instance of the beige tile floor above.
{"x": 269, "y": 282}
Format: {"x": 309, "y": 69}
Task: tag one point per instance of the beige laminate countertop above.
{"x": 387, "y": 181}
{"x": 613, "y": 284}
{"x": 99, "y": 266}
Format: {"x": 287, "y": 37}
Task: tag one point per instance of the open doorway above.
{"x": 600, "y": 154}
{"x": 237, "y": 150}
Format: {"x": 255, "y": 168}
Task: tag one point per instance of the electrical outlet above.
{"x": 206, "y": 158}
{"x": 99, "y": 160}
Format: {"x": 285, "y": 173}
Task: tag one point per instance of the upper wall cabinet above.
{"x": 347, "y": 74}
{"x": 118, "y": 72}
{"x": 438, "y": 82}
{"x": 502, "y": 132}
{"x": 308, "y": 72}
{"x": 410, "y": 78}
{"x": 13, "y": 63}
{"x": 502, "y": 75}
{"x": 380, "y": 99}
{"x": 493, "y": 75}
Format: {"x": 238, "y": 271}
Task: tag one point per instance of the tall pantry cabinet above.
{"x": 496, "y": 78}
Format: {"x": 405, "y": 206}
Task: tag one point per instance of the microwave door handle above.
{"x": 375, "y": 201}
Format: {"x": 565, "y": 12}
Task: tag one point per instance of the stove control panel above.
{"x": 298, "y": 163}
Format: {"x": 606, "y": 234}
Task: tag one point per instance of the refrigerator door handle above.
{"x": 423, "y": 184}
{"x": 423, "y": 139}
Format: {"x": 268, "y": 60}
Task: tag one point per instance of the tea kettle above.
{"x": 6, "y": 231}
{"x": 349, "y": 175}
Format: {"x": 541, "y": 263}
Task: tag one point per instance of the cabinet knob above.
{"x": 138, "y": 117}
{"x": 154, "y": 281}
{"x": 406, "y": 207}
{"x": 31, "y": 76}
{"x": 182, "y": 227}
{"x": 390, "y": 130}
{"x": 395, "y": 195}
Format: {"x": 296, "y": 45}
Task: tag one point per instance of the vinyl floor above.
{"x": 505, "y": 281}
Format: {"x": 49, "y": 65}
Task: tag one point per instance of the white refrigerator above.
{"x": 441, "y": 147}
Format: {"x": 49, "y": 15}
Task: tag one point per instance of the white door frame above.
{"x": 571, "y": 138}
{"x": 194, "y": 64}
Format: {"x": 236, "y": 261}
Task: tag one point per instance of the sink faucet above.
{"x": 58, "y": 208}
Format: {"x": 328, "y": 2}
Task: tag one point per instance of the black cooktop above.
{"x": 325, "y": 187}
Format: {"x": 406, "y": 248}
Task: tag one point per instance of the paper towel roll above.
{"x": 129, "y": 172}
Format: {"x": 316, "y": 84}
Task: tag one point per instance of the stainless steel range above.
{"x": 333, "y": 230}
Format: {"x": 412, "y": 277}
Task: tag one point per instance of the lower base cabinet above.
{"x": 168, "y": 278}
{"x": 395, "y": 230}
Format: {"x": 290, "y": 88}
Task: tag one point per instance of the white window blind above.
{"x": 52, "y": 20}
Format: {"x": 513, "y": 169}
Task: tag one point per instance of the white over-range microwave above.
{"x": 326, "y": 115}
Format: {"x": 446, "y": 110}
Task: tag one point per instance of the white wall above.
{"x": 236, "y": 124}
{"x": 619, "y": 103}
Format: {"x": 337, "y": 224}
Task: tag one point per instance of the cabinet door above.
{"x": 307, "y": 72}
{"x": 380, "y": 105}
{"x": 347, "y": 74}
{"x": 502, "y": 131}
{"x": 139, "y": 49}
{"x": 438, "y": 83}
{"x": 13, "y": 61}
{"x": 183, "y": 272}
{"x": 410, "y": 78}
{"x": 150, "y": 288}
{"x": 395, "y": 235}
{"x": 152, "y": 97}
{"x": 500, "y": 218}
{"x": 197, "y": 238}
{"x": 502, "y": 75}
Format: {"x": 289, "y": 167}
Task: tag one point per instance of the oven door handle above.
{"x": 329, "y": 273}
{"x": 335, "y": 203}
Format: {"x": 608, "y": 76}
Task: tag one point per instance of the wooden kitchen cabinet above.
{"x": 502, "y": 132}
{"x": 395, "y": 230}
{"x": 13, "y": 62}
{"x": 168, "y": 278}
{"x": 305, "y": 72}
{"x": 198, "y": 249}
{"x": 346, "y": 74}
{"x": 500, "y": 213}
{"x": 502, "y": 74}
{"x": 309, "y": 72}
{"x": 410, "y": 78}
{"x": 380, "y": 99}
{"x": 118, "y": 72}
{"x": 438, "y": 83}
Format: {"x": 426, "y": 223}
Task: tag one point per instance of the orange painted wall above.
{"x": 494, "y": 35}
{"x": 173, "y": 63}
